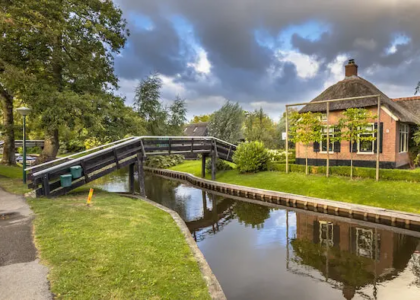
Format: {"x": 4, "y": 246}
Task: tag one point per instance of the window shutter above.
{"x": 381, "y": 135}
{"x": 315, "y": 232}
{"x": 316, "y": 147}
{"x": 337, "y": 144}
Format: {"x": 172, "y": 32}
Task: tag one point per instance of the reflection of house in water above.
{"x": 213, "y": 219}
{"x": 350, "y": 256}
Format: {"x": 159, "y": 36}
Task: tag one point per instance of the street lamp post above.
{"x": 24, "y": 111}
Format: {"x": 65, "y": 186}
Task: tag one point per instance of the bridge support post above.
{"x": 131, "y": 178}
{"x": 140, "y": 170}
{"x": 203, "y": 165}
{"x": 213, "y": 165}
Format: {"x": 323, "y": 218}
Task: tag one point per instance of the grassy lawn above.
{"x": 11, "y": 180}
{"x": 397, "y": 195}
{"x": 118, "y": 248}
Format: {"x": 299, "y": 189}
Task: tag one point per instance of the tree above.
{"x": 354, "y": 127}
{"x": 281, "y": 127}
{"x": 200, "y": 118}
{"x": 226, "y": 123}
{"x": 417, "y": 88}
{"x": 177, "y": 116}
{"x": 306, "y": 128}
{"x": 259, "y": 127}
{"x": 159, "y": 120}
{"x": 68, "y": 49}
{"x": 251, "y": 214}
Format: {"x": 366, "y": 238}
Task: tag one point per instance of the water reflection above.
{"x": 259, "y": 252}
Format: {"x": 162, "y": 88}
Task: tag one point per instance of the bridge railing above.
{"x": 105, "y": 159}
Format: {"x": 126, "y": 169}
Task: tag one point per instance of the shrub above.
{"x": 251, "y": 157}
{"x": 221, "y": 165}
{"x": 164, "y": 161}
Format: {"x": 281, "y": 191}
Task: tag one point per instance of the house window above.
{"x": 195, "y": 129}
{"x": 323, "y": 143}
{"x": 326, "y": 233}
{"x": 185, "y": 130}
{"x": 404, "y": 129}
{"x": 324, "y": 117}
{"x": 366, "y": 146}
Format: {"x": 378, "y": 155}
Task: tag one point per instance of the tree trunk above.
{"x": 306, "y": 154}
{"x": 51, "y": 146}
{"x": 51, "y": 142}
{"x": 9, "y": 132}
{"x": 351, "y": 161}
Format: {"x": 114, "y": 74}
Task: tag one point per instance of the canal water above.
{"x": 258, "y": 252}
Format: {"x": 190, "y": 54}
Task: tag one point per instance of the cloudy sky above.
{"x": 267, "y": 52}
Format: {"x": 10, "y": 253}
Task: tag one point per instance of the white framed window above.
{"x": 366, "y": 147}
{"x": 323, "y": 143}
{"x": 185, "y": 130}
{"x": 326, "y": 233}
{"x": 403, "y": 144}
{"x": 323, "y": 117}
{"x": 195, "y": 129}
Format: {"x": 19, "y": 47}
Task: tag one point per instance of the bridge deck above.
{"x": 45, "y": 178}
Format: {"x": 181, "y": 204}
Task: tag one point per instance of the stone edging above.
{"x": 213, "y": 285}
{"x": 397, "y": 219}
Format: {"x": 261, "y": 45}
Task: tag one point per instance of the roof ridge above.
{"x": 406, "y": 98}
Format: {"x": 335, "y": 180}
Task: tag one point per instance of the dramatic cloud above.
{"x": 268, "y": 53}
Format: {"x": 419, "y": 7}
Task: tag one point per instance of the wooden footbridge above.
{"x": 45, "y": 178}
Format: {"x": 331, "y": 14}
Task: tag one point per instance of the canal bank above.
{"x": 116, "y": 248}
{"x": 262, "y": 252}
{"x": 353, "y": 211}
{"x": 215, "y": 290}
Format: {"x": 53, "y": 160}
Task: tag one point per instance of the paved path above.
{"x": 21, "y": 275}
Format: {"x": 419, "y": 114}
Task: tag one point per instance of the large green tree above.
{"x": 259, "y": 127}
{"x": 226, "y": 123}
{"x": 65, "y": 51}
{"x": 159, "y": 120}
{"x": 177, "y": 116}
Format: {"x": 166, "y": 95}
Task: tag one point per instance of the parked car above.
{"x": 29, "y": 159}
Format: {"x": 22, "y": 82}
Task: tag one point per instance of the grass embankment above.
{"x": 118, "y": 248}
{"x": 396, "y": 195}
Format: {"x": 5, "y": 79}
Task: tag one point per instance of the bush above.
{"x": 280, "y": 155}
{"x": 251, "y": 157}
{"x": 164, "y": 161}
{"x": 221, "y": 165}
{"x": 384, "y": 174}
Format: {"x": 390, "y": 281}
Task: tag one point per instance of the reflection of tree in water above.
{"x": 362, "y": 262}
{"x": 343, "y": 266}
{"x": 163, "y": 191}
{"x": 252, "y": 214}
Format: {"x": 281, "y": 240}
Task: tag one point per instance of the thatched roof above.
{"x": 412, "y": 104}
{"x": 196, "y": 129}
{"x": 355, "y": 86}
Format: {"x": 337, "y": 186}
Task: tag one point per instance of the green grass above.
{"x": 11, "y": 180}
{"x": 118, "y": 248}
{"x": 396, "y": 195}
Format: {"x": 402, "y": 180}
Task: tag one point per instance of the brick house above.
{"x": 399, "y": 117}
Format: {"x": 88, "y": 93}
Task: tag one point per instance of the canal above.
{"x": 258, "y": 252}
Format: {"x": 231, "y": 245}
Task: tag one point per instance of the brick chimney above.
{"x": 351, "y": 68}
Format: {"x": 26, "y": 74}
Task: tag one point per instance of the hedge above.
{"x": 385, "y": 174}
{"x": 164, "y": 161}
